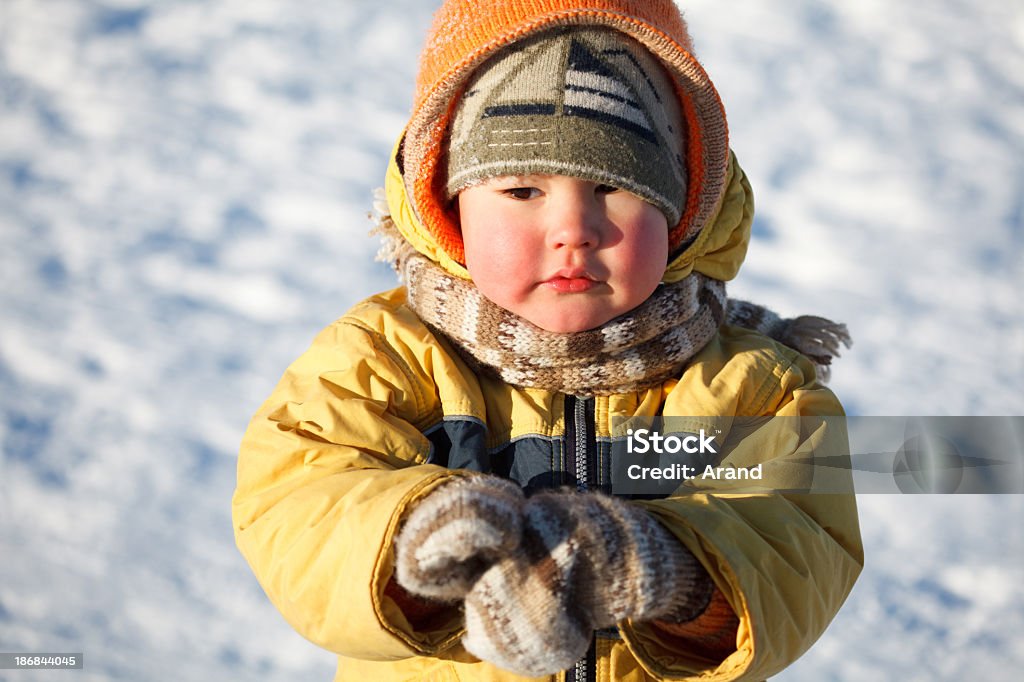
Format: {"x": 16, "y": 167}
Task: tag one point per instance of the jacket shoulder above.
{"x": 763, "y": 352}
{"x": 382, "y": 325}
{"x": 384, "y": 329}
{"x": 386, "y": 314}
{"x": 742, "y": 372}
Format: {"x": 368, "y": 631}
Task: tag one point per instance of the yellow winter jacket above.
{"x": 379, "y": 411}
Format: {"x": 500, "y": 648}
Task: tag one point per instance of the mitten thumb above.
{"x": 455, "y": 534}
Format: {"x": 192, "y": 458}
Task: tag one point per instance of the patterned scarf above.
{"x": 636, "y": 350}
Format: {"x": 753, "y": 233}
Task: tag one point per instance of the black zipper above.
{"x": 581, "y": 444}
{"x": 585, "y": 669}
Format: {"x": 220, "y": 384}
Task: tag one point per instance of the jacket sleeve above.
{"x": 327, "y": 467}
{"x": 784, "y": 561}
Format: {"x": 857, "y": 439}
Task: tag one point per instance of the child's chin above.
{"x": 568, "y": 323}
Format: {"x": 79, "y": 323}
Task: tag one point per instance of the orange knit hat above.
{"x": 466, "y": 32}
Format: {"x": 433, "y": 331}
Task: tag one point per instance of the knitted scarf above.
{"x": 635, "y": 351}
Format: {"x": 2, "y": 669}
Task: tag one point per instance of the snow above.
{"x": 183, "y": 198}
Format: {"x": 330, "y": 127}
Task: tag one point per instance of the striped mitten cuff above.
{"x": 455, "y": 534}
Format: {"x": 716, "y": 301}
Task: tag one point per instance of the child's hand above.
{"x": 456, "y": 533}
{"x": 586, "y": 561}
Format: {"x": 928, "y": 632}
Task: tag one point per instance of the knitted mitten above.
{"x": 456, "y": 533}
{"x": 586, "y": 561}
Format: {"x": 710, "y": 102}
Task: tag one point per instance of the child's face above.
{"x": 566, "y": 254}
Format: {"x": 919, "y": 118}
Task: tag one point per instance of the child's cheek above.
{"x": 504, "y": 271}
{"x": 507, "y": 249}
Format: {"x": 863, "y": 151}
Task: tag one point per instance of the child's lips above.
{"x": 571, "y": 282}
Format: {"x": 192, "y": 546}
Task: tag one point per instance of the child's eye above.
{"x": 522, "y": 193}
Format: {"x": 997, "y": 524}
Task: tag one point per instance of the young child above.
{"x": 564, "y": 209}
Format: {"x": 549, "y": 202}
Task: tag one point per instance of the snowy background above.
{"x": 183, "y": 197}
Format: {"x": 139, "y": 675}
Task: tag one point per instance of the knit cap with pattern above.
{"x": 469, "y": 36}
{"x": 589, "y": 103}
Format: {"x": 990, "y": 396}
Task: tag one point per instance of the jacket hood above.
{"x": 717, "y": 251}
{"x": 465, "y": 33}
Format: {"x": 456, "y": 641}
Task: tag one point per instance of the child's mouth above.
{"x": 570, "y": 285}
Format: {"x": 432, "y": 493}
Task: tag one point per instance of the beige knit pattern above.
{"x": 587, "y": 561}
{"x": 456, "y": 533}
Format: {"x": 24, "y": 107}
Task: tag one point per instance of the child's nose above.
{"x": 575, "y": 224}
